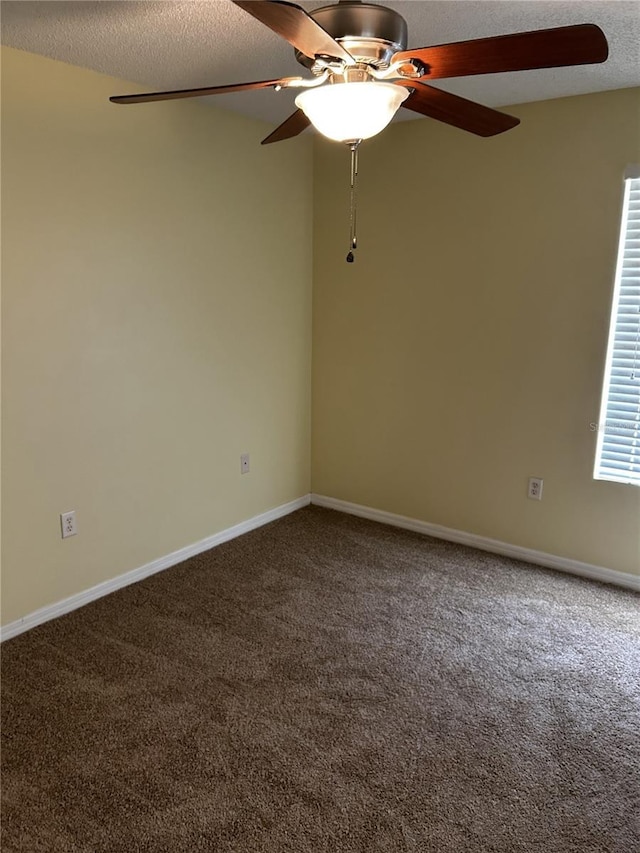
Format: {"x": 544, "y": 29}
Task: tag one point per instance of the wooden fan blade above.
{"x": 457, "y": 111}
{"x": 575, "y": 45}
{"x": 297, "y": 27}
{"x": 292, "y": 126}
{"x": 198, "y": 93}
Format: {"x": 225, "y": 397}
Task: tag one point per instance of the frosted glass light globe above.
{"x": 346, "y": 112}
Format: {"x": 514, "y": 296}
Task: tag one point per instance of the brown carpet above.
{"x": 329, "y": 684}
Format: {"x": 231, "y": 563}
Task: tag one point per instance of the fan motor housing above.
{"x": 371, "y": 34}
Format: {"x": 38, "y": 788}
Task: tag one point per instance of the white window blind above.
{"x": 618, "y": 448}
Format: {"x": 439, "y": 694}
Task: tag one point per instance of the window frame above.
{"x": 601, "y": 471}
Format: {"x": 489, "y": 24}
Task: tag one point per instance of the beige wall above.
{"x": 156, "y": 277}
{"x": 463, "y": 351}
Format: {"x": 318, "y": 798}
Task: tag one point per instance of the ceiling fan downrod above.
{"x": 353, "y": 239}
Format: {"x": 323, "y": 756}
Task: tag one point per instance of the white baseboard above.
{"x": 495, "y": 546}
{"x": 52, "y": 611}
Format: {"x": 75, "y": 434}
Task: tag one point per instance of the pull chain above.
{"x": 353, "y": 240}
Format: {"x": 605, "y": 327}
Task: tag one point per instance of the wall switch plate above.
{"x": 68, "y": 524}
{"x": 244, "y": 463}
{"x": 535, "y": 488}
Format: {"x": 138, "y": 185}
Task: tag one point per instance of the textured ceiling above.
{"x": 176, "y": 45}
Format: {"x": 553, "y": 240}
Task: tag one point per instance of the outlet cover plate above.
{"x": 68, "y": 524}
{"x": 535, "y": 488}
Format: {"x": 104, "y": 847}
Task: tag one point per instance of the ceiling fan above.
{"x": 362, "y": 72}
{"x": 352, "y": 42}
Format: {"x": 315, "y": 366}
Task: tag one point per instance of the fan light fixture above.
{"x": 362, "y": 72}
{"x": 346, "y": 112}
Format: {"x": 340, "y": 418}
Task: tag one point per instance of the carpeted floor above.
{"x": 329, "y": 684}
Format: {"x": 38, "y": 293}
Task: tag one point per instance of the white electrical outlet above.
{"x": 68, "y": 524}
{"x": 244, "y": 463}
{"x": 535, "y": 488}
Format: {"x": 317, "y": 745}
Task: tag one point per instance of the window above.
{"x": 618, "y": 449}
